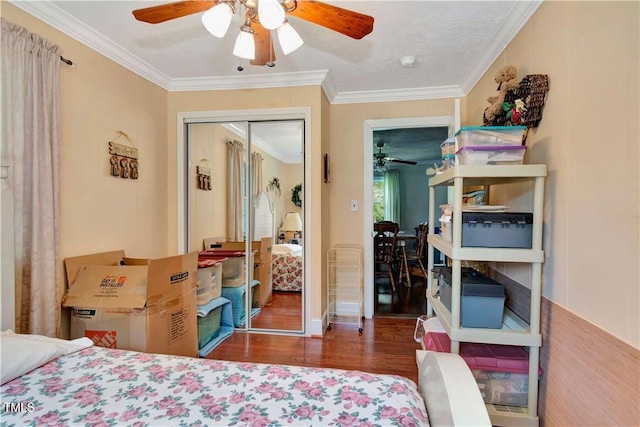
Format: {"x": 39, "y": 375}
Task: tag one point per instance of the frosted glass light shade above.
{"x": 217, "y": 19}
{"x": 292, "y": 222}
{"x": 289, "y": 38}
{"x": 270, "y": 13}
{"x": 245, "y": 46}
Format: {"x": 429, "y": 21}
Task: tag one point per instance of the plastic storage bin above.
{"x": 490, "y": 155}
{"x": 209, "y": 278}
{"x": 490, "y": 135}
{"x": 208, "y": 324}
{"x": 238, "y": 296}
{"x": 482, "y": 299}
{"x": 448, "y": 147}
{"x": 501, "y": 371}
{"x": 497, "y": 229}
{"x": 233, "y": 267}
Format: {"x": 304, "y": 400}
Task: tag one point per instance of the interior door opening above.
{"x": 411, "y": 182}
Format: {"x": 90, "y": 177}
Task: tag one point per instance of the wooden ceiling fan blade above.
{"x": 265, "y": 54}
{"x": 406, "y": 162}
{"x": 169, "y": 11}
{"x": 352, "y": 24}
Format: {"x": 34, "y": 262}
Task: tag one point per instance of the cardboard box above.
{"x": 146, "y": 305}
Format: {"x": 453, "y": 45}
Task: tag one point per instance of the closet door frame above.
{"x": 215, "y": 116}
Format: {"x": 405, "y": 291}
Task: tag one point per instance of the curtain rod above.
{"x": 65, "y": 60}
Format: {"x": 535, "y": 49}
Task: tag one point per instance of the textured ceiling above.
{"x": 454, "y": 42}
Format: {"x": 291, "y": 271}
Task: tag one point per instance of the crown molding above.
{"x": 412, "y": 94}
{"x": 249, "y": 81}
{"x": 518, "y": 16}
{"x": 50, "y": 14}
{"x": 241, "y": 131}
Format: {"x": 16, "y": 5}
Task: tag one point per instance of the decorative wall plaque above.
{"x": 203, "y": 173}
{"x": 124, "y": 158}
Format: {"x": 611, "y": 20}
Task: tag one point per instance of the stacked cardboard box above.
{"x": 146, "y": 305}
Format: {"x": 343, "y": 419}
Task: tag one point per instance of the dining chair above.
{"x": 384, "y": 248}
{"x": 416, "y": 256}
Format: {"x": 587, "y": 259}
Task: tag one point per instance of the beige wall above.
{"x": 346, "y": 149}
{"x": 209, "y": 209}
{"x": 99, "y": 212}
{"x": 326, "y": 199}
{"x": 589, "y": 138}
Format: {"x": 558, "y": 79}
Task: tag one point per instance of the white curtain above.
{"x": 235, "y": 150}
{"x": 31, "y": 140}
{"x": 392, "y": 196}
{"x": 256, "y": 174}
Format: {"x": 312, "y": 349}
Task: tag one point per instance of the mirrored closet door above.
{"x": 245, "y": 208}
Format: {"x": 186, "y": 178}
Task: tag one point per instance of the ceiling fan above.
{"x": 382, "y": 158}
{"x": 257, "y": 32}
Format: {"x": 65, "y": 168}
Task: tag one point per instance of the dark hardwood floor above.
{"x": 385, "y": 346}
{"x": 405, "y": 302}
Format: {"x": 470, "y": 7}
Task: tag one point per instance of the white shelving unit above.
{"x": 345, "y": 279}
{"x": 514, "y": 330}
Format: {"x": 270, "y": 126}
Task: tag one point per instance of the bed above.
{"x": 286, "y": 259}
{"x": 57, "y": 382}
{"x": 286, "y": 265}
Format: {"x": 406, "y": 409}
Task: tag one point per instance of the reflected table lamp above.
{"x": 292, "y": 223}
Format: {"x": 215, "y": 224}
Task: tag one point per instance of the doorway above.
{"x": 446, "y": 123}
{"x": 249, "y": 176}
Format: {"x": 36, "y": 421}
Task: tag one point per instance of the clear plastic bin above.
{"x": 209, "y": 326}
{"x": 490, "y": 135}
{"x": 209, "y": 283}
{"x": 448, "y": 147}
{"x": 491, "y": 155}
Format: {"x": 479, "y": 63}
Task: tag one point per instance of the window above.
{"x": 378, "y": 198}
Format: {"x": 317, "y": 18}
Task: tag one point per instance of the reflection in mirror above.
{"x": 245, "y": 180}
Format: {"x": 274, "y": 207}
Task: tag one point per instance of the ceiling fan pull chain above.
{"x": 271, "y": 63}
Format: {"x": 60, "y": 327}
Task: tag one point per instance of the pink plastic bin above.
{"x": 486, "y": 357}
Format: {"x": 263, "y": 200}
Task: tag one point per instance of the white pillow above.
{"x": 450, "y": 391}
{"x": 21, "y": 353}
{"x": 286, "y": 249}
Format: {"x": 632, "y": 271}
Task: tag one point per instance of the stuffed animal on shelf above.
{"x": 507, "y": 88}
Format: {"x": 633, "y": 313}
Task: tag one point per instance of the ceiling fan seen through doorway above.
{"x": 381, "y": 158}
{"x": 260, "y": 18}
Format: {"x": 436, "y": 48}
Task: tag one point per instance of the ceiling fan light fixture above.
{"x": 245, "y": 46}
{"x": 270, "y": 13}
{"x": 217, "y": 19}
{"x": 289, "y": 38}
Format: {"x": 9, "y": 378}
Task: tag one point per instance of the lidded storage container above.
{"x": 482, "y": 299}
{"x": 501, "y": 371}
{"x": 490, "y": 135}
{"x": 497, "y": 229}
{"x": 491, "y": 155}
{"x": 209, "y": 280}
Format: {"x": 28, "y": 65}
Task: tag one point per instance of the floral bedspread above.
{"x": 103, "y": 387}
{"x": 286, "y": 272}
